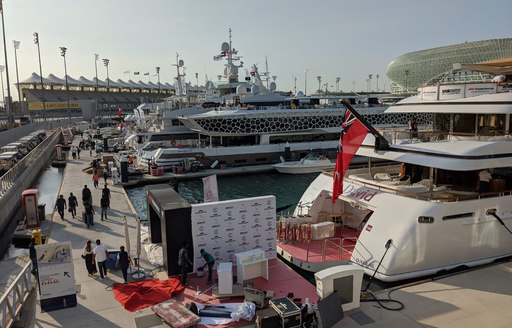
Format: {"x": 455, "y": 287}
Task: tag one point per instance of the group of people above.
{"x": 61, "y": 205}
{"x": 184, "y": 263}
{"x": 88, "y": 208}
{"x": 99, "y": 256}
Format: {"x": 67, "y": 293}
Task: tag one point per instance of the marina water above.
{"x": 286, "y": 188}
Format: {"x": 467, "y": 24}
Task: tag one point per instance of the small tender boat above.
{"x": 312, "y": 163}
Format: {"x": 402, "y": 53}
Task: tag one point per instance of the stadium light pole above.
{"x": 106, "y": 61}
{"x": 63, "y": 54}
{"x": 16, "y": 47}
{"x": 9, "y": 107}
{"x": 319, "y": 78}
{"x": 2, "y": 68}
{"x": 96, "y": 56}
{"x": 158, "y": 74}
{"x": 338, "y": 79}
{"x": 36, "y": 41}
{"x": 377, "y": 76}
{"x": 306, "y": 82}
{"x": 294, "y": 85}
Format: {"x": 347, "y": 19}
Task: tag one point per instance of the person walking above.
{"x": 106, "y": 193}
{"x": 88, "y": 256}
{"x": 89, "y": 214}
{"x": 101, "y": 256}
{"x": 184, "y": 262}
{"x": 105, "y": 176}
{"x": 61, "y": 206}
{"x": 96, "y": 179}
{"x": 73, "y": 152}
{"x": 123, "y": 262}
{"x": 104, "y": 205}
{"x": 72, "y": 203}
{"x": 86, "y": 195}
{"x": 210, "y": 261}
{"x": 78, "y": 150}
{"x": 33, "y": 255}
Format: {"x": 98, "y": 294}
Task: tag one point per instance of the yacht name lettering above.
{"x": 201, "y": 222}
{"x": 450, "y": 91}
{"x": 364, "y": 194}
{"x": 216, "y": 226}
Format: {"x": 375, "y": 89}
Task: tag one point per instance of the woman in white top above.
{"x": 484, "y": 183}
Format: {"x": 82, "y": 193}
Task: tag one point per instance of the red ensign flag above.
{"x": 352, "y": 135}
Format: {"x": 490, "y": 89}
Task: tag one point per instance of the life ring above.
{"x": 173, "y": 142}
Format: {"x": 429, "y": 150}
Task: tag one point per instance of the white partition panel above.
{"x": 225, "y": 228}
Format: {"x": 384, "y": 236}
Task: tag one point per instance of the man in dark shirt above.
{"x": 106, "y": 193}
{"x": 86, "y": 195}
{"x": 72, "y": 203}
{"x": 33, "y": 255}
{"x": 104, "y": 205}
{"x": 60, "y": 206}
{"x": 123, "y": 262}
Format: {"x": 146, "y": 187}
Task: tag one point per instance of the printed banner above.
{"x": 228, "y": 227}
{"x": 210, "y": 190}
{"x": 53, "y": 105}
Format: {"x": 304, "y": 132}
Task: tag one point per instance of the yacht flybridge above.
{"x": 423, "y": 214}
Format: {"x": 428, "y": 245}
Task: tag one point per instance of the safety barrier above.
{"x": 15, "y": 296}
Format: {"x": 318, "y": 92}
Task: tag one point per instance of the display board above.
{"x": 228, "y": 227}
{"x": 56, "y": 276}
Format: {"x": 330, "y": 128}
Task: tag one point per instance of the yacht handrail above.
{"x": 332, "y": 242}
{"x": 343, "y": 243}
{"x": 14, "y": 297}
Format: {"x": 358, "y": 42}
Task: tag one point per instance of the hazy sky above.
{"x": 334, "y": 38}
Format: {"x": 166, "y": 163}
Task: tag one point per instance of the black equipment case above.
{"x": 289, "y": 313}
{"x": 267, "y": 318}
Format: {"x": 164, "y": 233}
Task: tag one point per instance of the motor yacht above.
{"x": 423, "y": 214}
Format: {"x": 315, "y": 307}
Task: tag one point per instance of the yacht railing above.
{"x": 14, "y": 297}
{"x": 7, "y": 180}
{"x": 402, "y": 136}
{"x": 332, "y": 242}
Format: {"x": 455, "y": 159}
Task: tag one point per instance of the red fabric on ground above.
{"x": 140, "y": 294}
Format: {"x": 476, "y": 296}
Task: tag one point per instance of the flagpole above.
{"x": 380, "y": 142}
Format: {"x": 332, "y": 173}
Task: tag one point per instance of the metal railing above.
{"x": 343, "y": 247}
{"x": 7, "y": 180}
{"x": 332, "y": 242}
{"x": 15, "y": 296}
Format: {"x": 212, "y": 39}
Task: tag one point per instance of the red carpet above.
{"x": 140, "y": 294}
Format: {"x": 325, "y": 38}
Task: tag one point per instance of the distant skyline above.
{"x": 330, "y": 39}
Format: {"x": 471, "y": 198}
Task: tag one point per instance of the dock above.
{"x": 96, "y": 304}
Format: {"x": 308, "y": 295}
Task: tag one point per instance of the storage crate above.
{"x": 289, "y": 312}
{"x": 267, "y": 318}
{"x": 254, "y": 295}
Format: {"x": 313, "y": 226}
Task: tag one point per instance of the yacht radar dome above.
{"x": 181, "y": 63}
{"x": 224, "y": 47}
{"x": 241, "y": 90}
{"x": 299, "y": 94}
{"x": 272, "y": 86}
{"x": 255, "y": 89}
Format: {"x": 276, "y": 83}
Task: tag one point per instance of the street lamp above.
{"x": 36, "y": 41}
{"x": 158, "y": 74}
{"x": 96, "y": 56}
{"x": 105, "y": 62}
{"x": 338, "y": 79}
{"x": 16, "y": 47}
{"x": 370, "y": 78}
{"x": 377, "y": 82}
{"x": 306, "y": 82}
{"x": 9, "y": 107}
{"x": 319, "y": 78}
{"x": 63, "y": 54}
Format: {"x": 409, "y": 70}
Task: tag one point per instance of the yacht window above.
{"x": 464, "y": 123}
{"x": 458, "y": 216}
{"x": 238, "y": 161}
{"x": 261, "y": 159}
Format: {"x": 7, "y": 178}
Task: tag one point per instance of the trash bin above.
{"x": 41, "y": 211}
